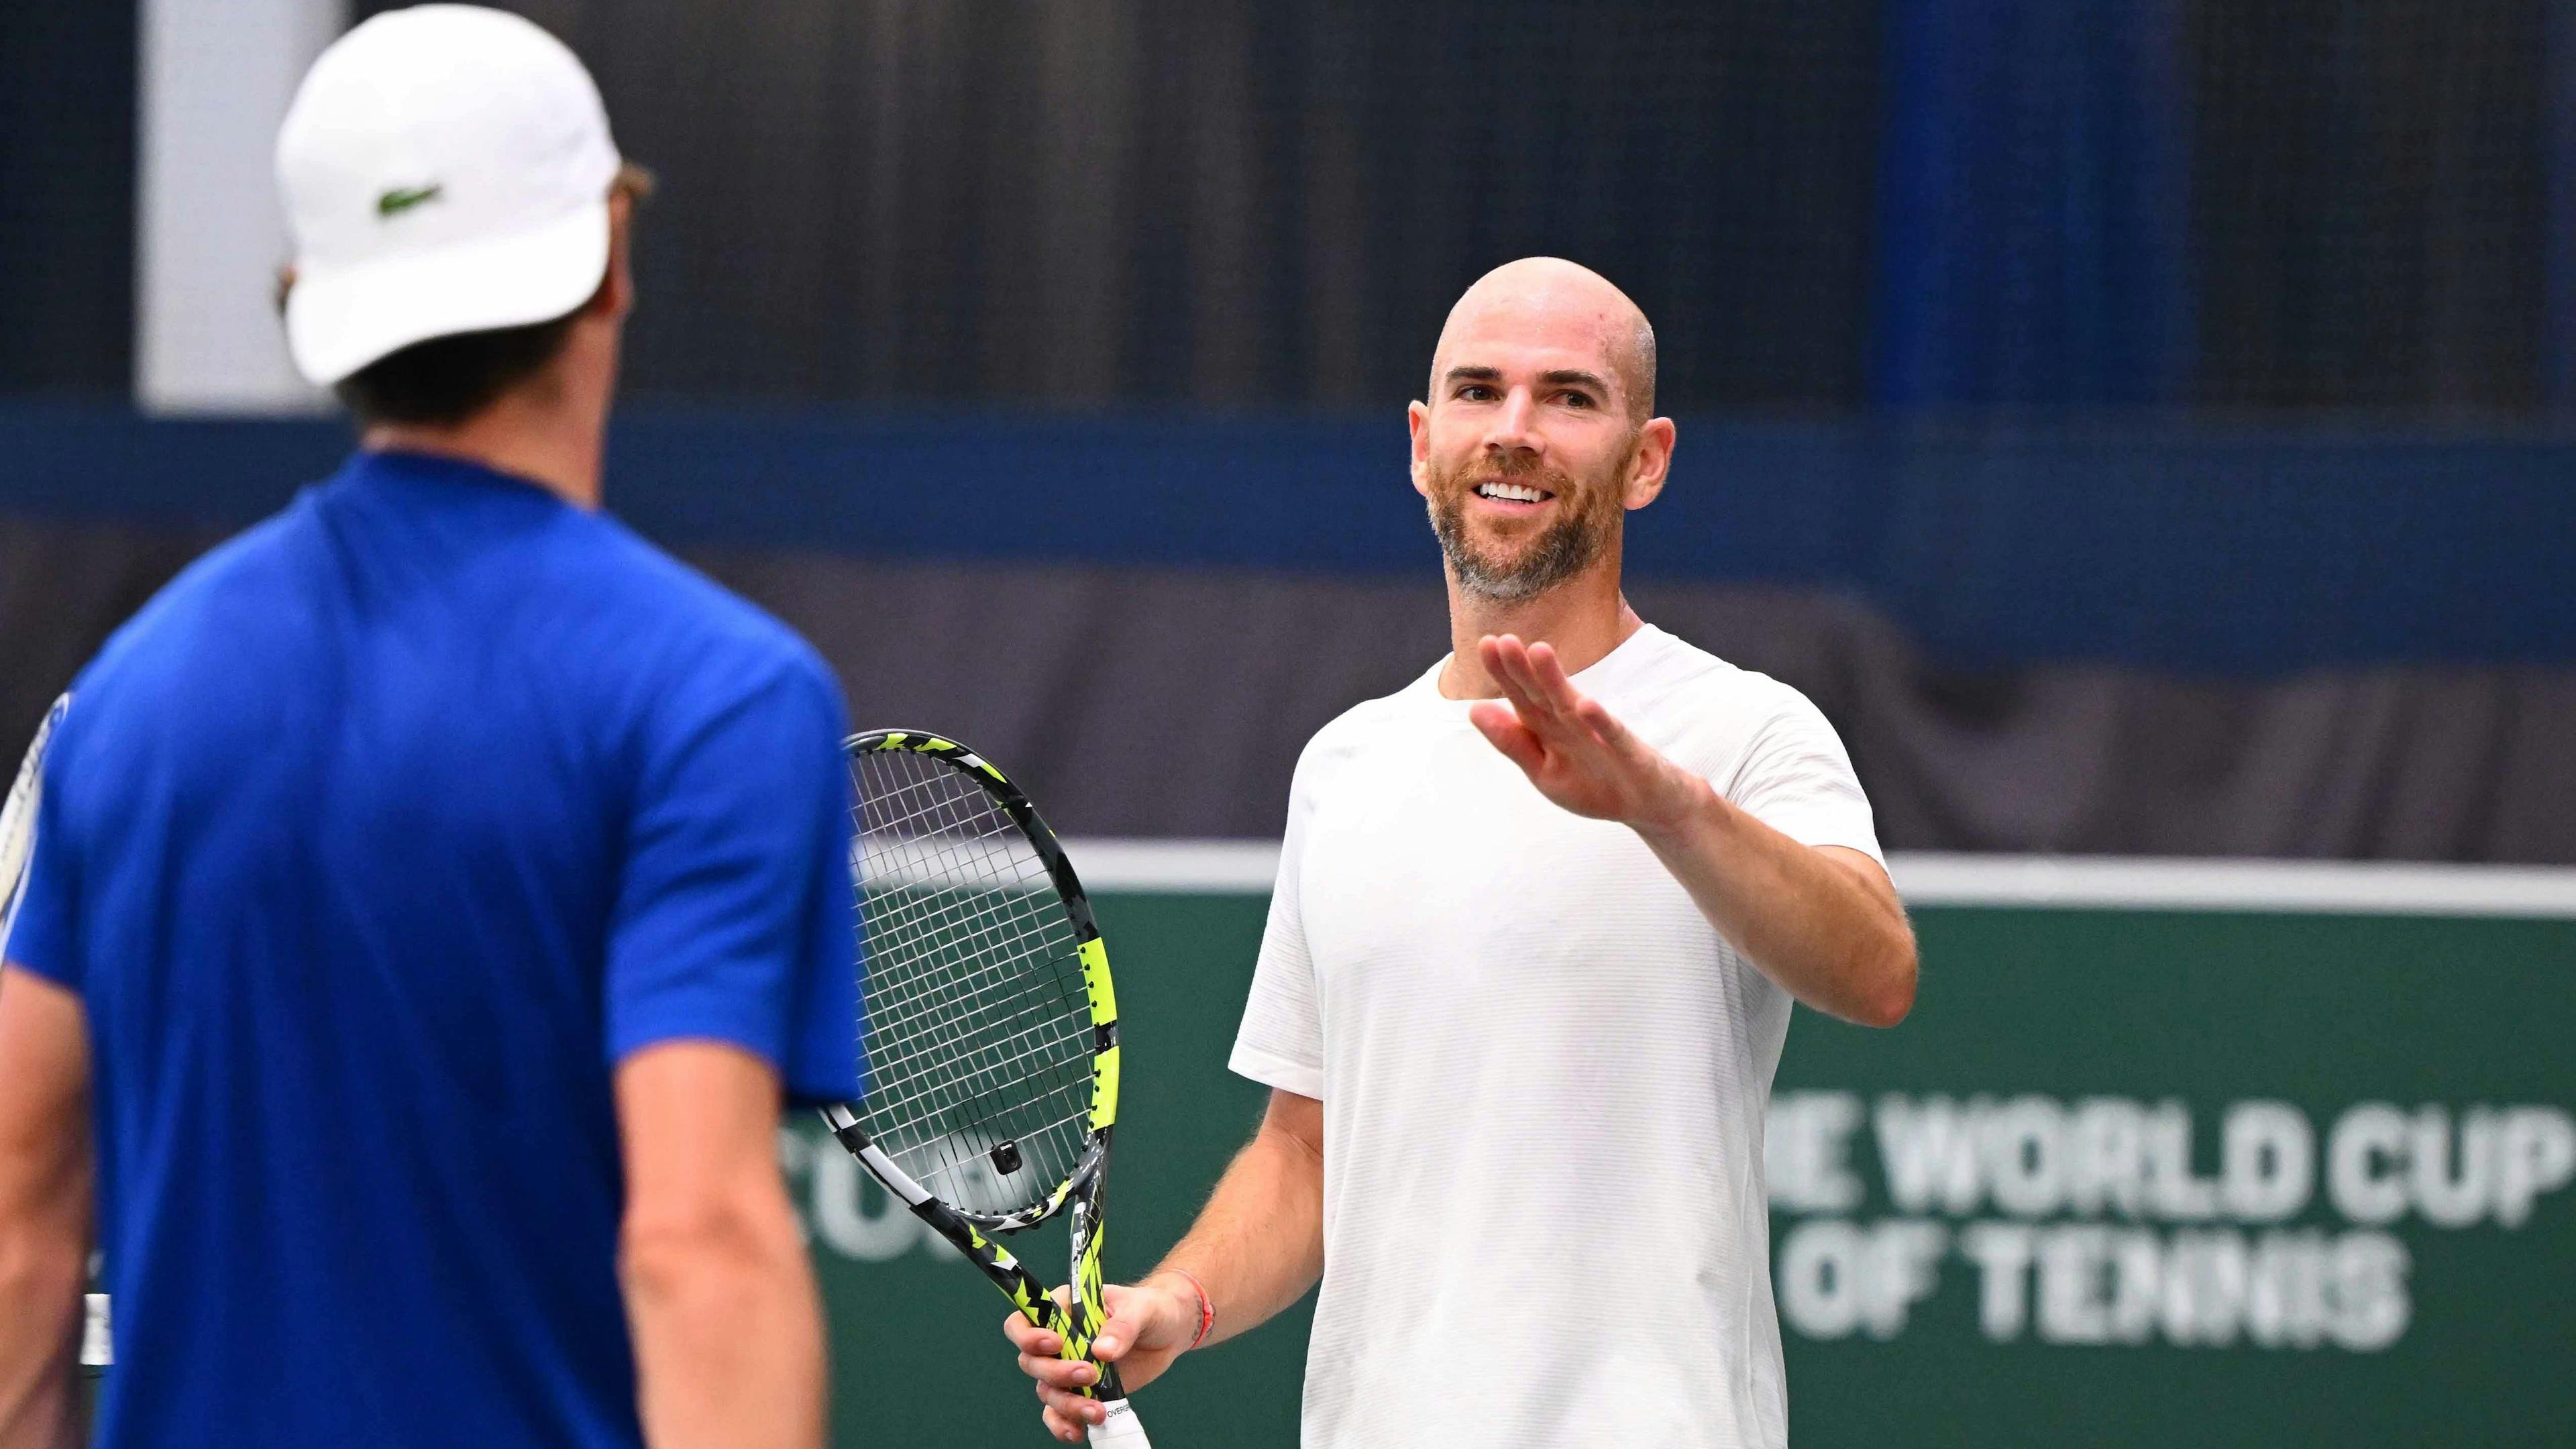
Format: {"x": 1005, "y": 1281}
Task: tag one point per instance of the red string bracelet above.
{"x": 1207, "y": 1306}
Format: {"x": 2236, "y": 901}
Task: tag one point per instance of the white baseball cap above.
{"x": 445, "y": 169}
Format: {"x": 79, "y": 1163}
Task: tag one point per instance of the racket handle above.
{"x": 1120, "y": 1430}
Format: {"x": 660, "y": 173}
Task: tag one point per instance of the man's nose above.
{"x": 1515, "y": 425}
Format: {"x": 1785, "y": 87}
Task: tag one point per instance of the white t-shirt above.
{"x": 1543, "y": 1074}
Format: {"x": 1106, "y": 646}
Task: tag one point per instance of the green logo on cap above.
{"x": 404, "y": 198}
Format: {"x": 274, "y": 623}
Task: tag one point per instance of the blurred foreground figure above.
{"x": 436, "y": 890}
{"x": 1539, "y": 921}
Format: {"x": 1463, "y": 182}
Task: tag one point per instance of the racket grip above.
{"x": 1120, "y": 1430}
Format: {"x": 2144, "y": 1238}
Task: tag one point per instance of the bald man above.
{"x": 1539, "y": 920}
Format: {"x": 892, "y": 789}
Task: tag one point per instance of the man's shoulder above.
{"x": 1678, "y": 671}
{"x": 207, "y": 601}
{"x": 688, "y": 614}
{"x": 1705, "y": 712}
{"x": 1371, "y": 723}
{"x": 1362, "y": 720}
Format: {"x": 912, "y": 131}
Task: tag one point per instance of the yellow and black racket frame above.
{"x": 1082, "y": 1191}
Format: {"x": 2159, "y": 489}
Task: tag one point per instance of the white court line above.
{"x": 1177, "y": 867}
{"x": 1246, "y": 867}
{"x": 2364, "y": 888}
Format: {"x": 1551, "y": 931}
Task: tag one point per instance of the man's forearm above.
{"x": 1258, "y": 1245}
{"x": 728, "y": 1334}
{"x": 1835, "y": 940}
{"x": 1822, "y": 921}
{"x": 45, "y": 1207}
{"x": 40, "y": 1280}
{"x": 720, "y": 1294}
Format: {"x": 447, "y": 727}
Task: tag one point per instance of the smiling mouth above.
{"x": 1513, "y": 493}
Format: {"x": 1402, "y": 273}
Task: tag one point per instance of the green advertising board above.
{"x": 2166, "y": 1156}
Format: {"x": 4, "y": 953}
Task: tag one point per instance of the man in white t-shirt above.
{"x": 1539, "y": 921}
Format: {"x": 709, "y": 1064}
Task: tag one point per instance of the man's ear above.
{"x": 616, "y": 294}
{"x": 1650, "y": 465}
{"x": 1417, "y": 421}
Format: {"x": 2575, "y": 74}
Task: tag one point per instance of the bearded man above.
{"x": 1539, "y": 920}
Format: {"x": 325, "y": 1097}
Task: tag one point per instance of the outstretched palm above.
{"x": 1572, "y": 748}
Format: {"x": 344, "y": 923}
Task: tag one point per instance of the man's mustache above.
{"x": 1516, "y": 468}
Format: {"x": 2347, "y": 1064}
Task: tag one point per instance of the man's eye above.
{"x": 1577, "y": 399}
{"x": 1475, "y": 392}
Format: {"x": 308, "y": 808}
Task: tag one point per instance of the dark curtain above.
{"x": 2267, "y": 204}
{"x": 1228, "y": 204}
{"x": 2370, "y": 184}
{"x": 67, "y": 123}
{"x": 2224, "y": 203}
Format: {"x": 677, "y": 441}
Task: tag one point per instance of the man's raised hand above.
{"x": 1572, "y": 748}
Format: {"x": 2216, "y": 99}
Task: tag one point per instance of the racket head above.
{"x": 988, "y": 1025}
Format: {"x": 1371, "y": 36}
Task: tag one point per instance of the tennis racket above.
{"x": 990, "y": 1027}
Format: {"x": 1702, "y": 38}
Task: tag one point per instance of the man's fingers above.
{"x": 1060, "y": 1373}
{"x": 1067, "y": 1404}
{"x": 1062, "y": 1426}
{"x": 1498, "y": 655}
{"x": 1554, "y": 684}
{"x": 1541, "y": 678}
{"x": 1028, "y": 1338}
{"x": 1071, "y": 1410}
{"x": 1521, "y": 678}
{"x": 1059, "y": 1382}
{"x": 1581, "y": 712}
{"x": 1597, "y": 718}
{"x": 1509, "y": 664}
{"x": 1502, "y": 727}
{"x": 1125, "y": 1324}
{"x": 1641, "y": 760}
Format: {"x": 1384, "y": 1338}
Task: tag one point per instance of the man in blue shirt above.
{"x": 436, "y": 891}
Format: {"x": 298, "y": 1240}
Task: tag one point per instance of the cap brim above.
{"x": 340, "y": 319}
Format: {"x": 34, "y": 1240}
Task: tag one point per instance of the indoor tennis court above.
{"x": 2139, "y": 438}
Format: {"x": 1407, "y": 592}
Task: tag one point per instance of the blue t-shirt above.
{"x": 371, "y": 845}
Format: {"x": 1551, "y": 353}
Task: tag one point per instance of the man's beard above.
{"x": 1587, "y": 521}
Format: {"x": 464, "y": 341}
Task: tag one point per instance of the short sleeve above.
{"x": 735, "y": 920}
{"x": 1797, "y": 778}
{"x": 39, "y": 923}
{"x": 1281, "y": 1042}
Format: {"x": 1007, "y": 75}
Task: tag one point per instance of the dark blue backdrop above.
{"x": 2202, "y": 550}
{"x": 2033, "y": 201}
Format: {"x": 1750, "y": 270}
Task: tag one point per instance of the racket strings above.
{"x": 996, "y": 982}
{"x": 970, "y": 1044}
{"x": 978, "y": 1021}
{"x": 995, "y": 959}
